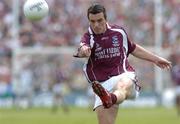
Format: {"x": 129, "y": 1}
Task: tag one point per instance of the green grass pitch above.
{"x": 87, "y": 116}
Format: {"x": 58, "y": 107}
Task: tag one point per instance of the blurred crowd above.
{"x": 67, "y": 21}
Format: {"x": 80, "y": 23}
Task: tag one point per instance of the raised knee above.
{"x": 127, "y": 86}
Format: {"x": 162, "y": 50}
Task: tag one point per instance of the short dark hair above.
{"x": 96, "y": 8}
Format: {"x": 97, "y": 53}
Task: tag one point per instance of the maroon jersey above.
{"x": 109, "y": 52}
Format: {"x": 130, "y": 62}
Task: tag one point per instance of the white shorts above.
{"x": 110, "y": 83}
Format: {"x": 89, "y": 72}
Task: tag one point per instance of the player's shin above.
{"x": 120, "y": 96}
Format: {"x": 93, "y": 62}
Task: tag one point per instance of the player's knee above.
{"x": 127, "y": 86}
{"x": 124, "y": 83}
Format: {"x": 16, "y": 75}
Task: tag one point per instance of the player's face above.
{"x": 97, "y": 23}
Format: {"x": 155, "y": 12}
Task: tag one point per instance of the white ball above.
{"x": 35, "y": 10}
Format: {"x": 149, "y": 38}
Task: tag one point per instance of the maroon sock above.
{"x": 114, "y": 98}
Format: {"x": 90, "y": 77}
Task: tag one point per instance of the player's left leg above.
{"x": 124, "y": 89}
{"x": 107, "y": 116}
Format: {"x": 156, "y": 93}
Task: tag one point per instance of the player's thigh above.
{"x": 124, "y": 83}
{"x": 107, "y": 116}
{"x": 127, "y": 85}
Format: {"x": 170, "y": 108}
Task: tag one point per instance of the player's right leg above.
{"x": 124, "y": 89}
{"x": 107, "y": 116}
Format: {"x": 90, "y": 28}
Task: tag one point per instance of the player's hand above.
{"x": 85, "y": 51}
{"x": 163, "y": 63}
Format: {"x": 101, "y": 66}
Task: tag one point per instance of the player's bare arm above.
{"x": 144, "y": 54}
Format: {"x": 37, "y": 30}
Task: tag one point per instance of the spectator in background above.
{"x": 60, "y": 90}
{"x": 139, "y": 22}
